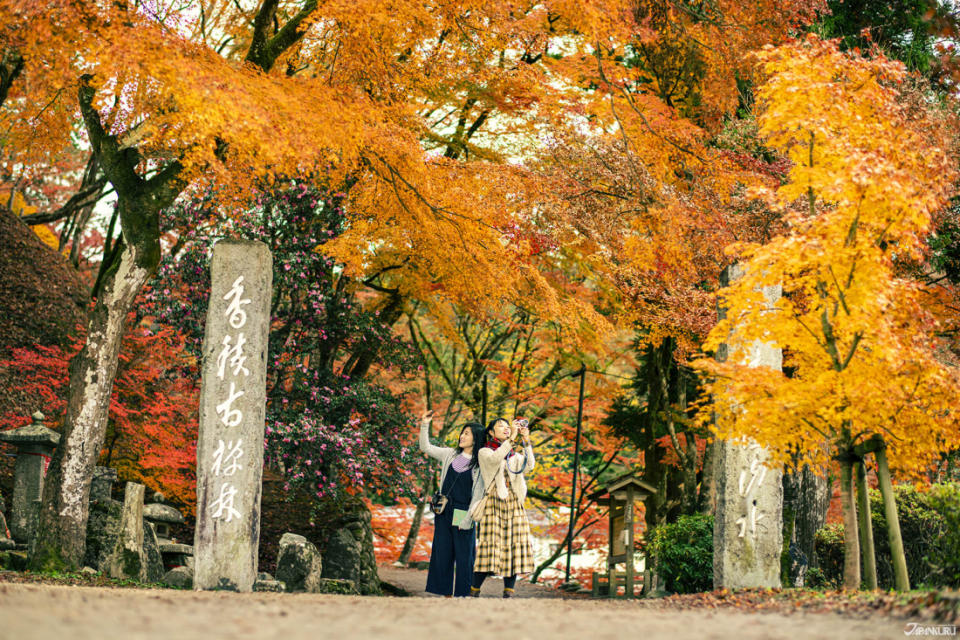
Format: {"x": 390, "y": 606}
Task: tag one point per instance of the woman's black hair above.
{"x": 479, "y": 439}
{"x": 488, "y": 432}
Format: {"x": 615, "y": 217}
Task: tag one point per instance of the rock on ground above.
{"x": 152, "y": 560}
{"x": 348, "y": 553}
{"x": 103, "y": 528}
{"x": 179, "y": 578}
{"x": 298, "y": 564}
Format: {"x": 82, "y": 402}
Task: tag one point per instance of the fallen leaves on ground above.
{"x": 939, "y": 606}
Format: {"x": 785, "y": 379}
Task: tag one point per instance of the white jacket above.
{"x": 493, "y": 464}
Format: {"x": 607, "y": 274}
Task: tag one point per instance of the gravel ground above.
{"x": 41, "y": 611}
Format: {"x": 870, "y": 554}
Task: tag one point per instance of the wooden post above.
{"x": 628, "y": 524}
{"x": 900, "y": 578}
{"x": 866, "y": 528}
{"x": 576, "y": 464}
{"x": 611, "y": 565}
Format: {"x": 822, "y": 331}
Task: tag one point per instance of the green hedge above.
{"x": 944, "y": 558}
{"x": 929, "y": 526}
{"x": 828, "y": 547}
{"x": 683, "y": 552}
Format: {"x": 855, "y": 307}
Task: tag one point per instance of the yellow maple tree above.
{"x": 869, "y": 169}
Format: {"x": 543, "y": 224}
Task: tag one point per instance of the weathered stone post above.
{"x": 232, "y": 414}
{"x": 35, "y": 444}
{"x": 748, "y": 528}
{"x": 101, "y": 487}
{"x": 126, "y": 559}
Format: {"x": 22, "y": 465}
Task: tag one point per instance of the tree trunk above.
{"x": 689, "y": 456}
{"x": 866, "y": 529}
{"x": 60, "y": 540}
{"x": 851, "y": 545}
{"x": 811, "y": 512}
{"x": 707, "y": 500}
{"x": 901, "y": 580}
{"x": 414, "y": 531}
{"x": 792, "y": 485}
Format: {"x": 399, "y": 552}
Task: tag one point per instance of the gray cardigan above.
{"x": 446, "y": 455}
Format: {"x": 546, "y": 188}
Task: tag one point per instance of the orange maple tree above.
{"x": 172, "y": 97}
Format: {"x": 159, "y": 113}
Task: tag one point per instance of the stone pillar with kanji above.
{"x": 232, "y": 415}
{"x": 748, "y": 524}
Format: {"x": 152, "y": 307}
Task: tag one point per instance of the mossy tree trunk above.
{"x": 901, "y": 580}
{"x": 811, "y": 511}
{"x": 851, "y": 543}
{"x": 61, "y": 533}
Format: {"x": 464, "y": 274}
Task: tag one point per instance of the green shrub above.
{"x": 683, "y": 552}
{"x": 828, "y": 547}
{"x": 929, "y": 526}
{"x": 815, "y": 579}
{"x": 944, "y": 558}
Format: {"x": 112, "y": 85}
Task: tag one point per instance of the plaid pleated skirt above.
{"x": 503, "y": 545}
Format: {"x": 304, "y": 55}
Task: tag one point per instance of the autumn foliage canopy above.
{"x": 870, "y": 170}
{"x": 461, "y": 193}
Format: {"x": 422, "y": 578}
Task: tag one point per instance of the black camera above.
{"x": 438, "y": 503}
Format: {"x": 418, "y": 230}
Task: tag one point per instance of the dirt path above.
{"x": 30, "y": 611}
{"x": 413, "y": 581}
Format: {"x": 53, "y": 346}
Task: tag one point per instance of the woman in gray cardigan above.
{"x": 452, "y": 554}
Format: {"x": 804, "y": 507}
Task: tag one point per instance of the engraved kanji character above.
{"x": 226, "y": 458}
{"x": 236, "y": 315}
{"x": 224, "y": 503}
{"x": 232, "y": 354}
{"x": 230, "y": 417}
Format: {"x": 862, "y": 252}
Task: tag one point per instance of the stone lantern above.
{"x": 35, "y": 444}
{"x": 161, "y": 516}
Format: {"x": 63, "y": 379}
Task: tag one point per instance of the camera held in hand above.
{"x": 522, "y": 422}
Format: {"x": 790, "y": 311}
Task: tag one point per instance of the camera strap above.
{"x": 454, "y": 483}
{"x": 507, "y": 465}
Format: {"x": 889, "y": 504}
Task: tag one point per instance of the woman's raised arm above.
{"x": 499, "y": 454}
{"x": 438, "y": 453}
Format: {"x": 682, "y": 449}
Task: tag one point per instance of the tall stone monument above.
{"x": 748, "y": 528}
{"x": 232, "y": 414}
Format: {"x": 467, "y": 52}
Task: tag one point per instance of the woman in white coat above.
{"x": 504, "y": 541}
